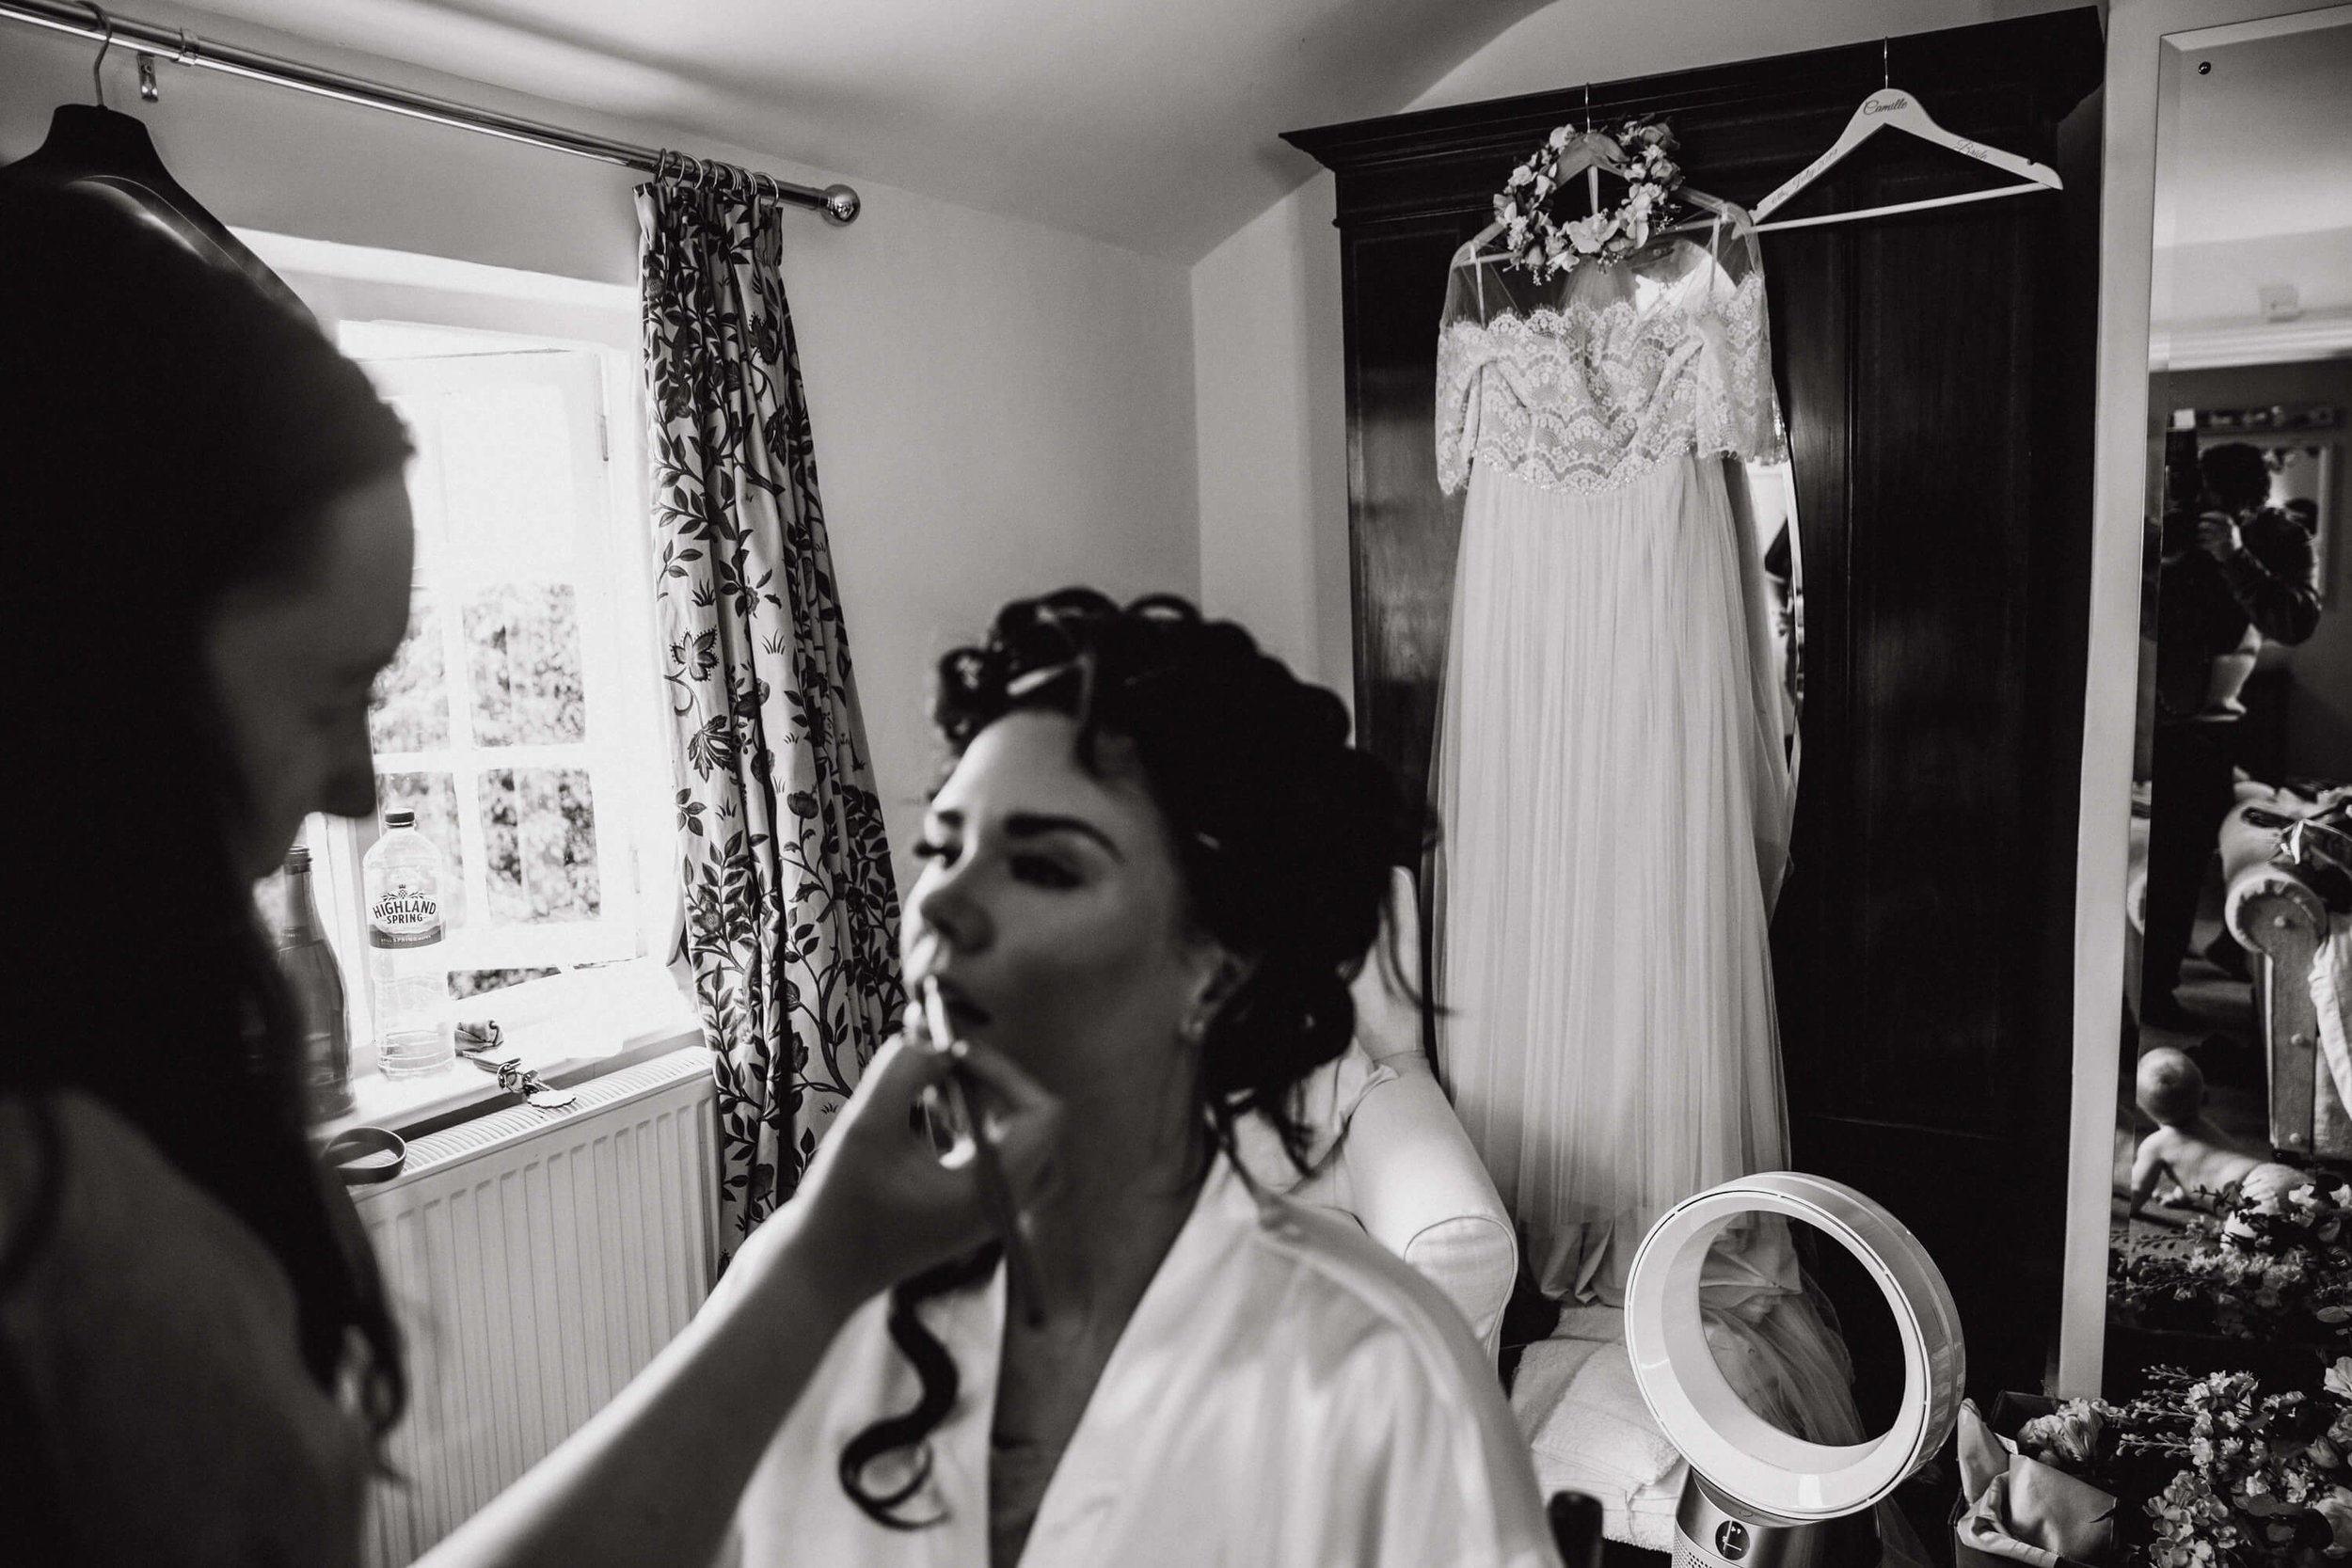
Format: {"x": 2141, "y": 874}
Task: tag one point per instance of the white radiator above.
{"x": 537, "y": 1260}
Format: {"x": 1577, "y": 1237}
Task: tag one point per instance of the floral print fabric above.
{"x": 791, "y": 913}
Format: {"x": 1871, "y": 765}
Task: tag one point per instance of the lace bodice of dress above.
{"x": 1593, "y": 379}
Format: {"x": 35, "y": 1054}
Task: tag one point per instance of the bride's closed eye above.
{"x": 1044, "y": 871}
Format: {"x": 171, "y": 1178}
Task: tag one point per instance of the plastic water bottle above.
{"x": 317, "y": 983}
{"x": 407, "y": 969}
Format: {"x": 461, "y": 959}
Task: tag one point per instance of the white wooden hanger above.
{"x": 1891, "y": 106}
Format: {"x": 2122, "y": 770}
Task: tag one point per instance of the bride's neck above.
{"x": 1123, "y": 1193}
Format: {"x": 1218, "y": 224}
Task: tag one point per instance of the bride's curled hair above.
{"x": 1284, "y": 833}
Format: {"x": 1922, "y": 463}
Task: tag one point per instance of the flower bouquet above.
{"x": 2266, "y": 1484}
{"x": 2273, "y": 1266}
{"x": 2025, "y": 1493}
{"x": 2227, "y": 1475}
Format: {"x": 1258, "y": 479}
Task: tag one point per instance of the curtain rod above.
{"x": 839, "y": 203}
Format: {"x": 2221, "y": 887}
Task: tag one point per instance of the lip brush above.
{"x": 996, "y": 1194}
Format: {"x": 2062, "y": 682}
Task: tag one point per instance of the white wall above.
{"x": 1271, "y": 392}
{"x": 2216, "y": 283}
{"x": 1273, "y": 434}
{"x": 999, "y": 408}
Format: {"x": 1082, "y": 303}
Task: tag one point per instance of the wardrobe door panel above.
{"x": 1403, "y": 532}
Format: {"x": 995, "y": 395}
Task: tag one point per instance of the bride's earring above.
{"x": 1195, "y": 1029}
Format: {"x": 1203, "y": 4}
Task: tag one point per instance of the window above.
{"x": 519, "y": 720}
{"x": 499, "y": 724}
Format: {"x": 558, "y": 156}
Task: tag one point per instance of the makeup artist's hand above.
{"x": 882, "y": 1202}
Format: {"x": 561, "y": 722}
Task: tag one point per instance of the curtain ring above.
{"x": 187, "y": 50}
{"x": 98, "y": 82}
{"x": 661, "y": 163}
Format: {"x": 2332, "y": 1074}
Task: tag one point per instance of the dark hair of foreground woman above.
{"x": 169, "y": 437}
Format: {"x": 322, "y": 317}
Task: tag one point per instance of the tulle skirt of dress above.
{"x": 1613, "y": 795}
{"x": 1613, "y": 801}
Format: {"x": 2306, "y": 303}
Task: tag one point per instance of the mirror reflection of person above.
{"x": 1148, "y": 878}
{"x": 2233, "y": 571}
{"x": 208, "y": 561}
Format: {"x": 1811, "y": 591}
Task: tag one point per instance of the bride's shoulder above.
{"x": 1360, "y": 1293}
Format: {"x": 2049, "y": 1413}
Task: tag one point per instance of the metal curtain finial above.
{"x": 98, "y": 82}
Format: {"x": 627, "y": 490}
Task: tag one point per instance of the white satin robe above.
{"x": 1287, "y": 1394}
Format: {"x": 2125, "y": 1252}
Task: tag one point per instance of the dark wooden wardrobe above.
{"x": 1935, "y": 371}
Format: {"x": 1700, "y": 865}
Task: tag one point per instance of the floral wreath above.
{"x": 1540, "y": 243}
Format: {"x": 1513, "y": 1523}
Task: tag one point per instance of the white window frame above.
{"x": 436, "y": 304}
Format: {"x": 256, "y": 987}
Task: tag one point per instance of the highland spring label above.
{"x": 405, "y": 916}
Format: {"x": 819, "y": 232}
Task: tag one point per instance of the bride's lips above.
{"x": 964, "y": 1013}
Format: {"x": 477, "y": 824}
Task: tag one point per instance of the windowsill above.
{"x": 569, "y": 1029}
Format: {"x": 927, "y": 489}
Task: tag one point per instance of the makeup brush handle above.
{"x": 996, "y": 1198}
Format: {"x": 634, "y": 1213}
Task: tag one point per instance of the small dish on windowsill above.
{"x": 568, "y": 1029}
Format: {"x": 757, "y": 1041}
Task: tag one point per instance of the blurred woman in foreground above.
{"x": 207, "y": 562}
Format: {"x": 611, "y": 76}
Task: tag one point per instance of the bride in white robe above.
{"x": 1288, "y": 1392}
{"x": 1148, "y": 877}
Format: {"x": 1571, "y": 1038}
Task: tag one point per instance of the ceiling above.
{"x": 1152, "y": 124}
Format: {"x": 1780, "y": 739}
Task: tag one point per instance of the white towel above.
{"x": 1589, "y": 1431}
{"x": 2332, "y": 989}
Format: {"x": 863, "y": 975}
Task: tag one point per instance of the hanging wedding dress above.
{"x": 1613, "y": 786}
{"x": 1611, "y": 776}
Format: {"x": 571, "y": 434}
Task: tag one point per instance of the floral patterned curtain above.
{"x": 791, "y": 911}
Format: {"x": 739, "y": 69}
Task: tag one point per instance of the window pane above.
{"x": 539, "y": 830}
{"x": 523, "y": 639}
{"x": 475, "y": 982}
{"x": 409, "y": 711}
{"x": 507, "y": 474}
{"x": 434, "y": 797}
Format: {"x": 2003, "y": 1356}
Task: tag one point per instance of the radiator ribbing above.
{"x": 537, "y": 1260}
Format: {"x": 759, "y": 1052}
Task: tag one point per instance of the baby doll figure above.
{"x": 2186, "y": 1153}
